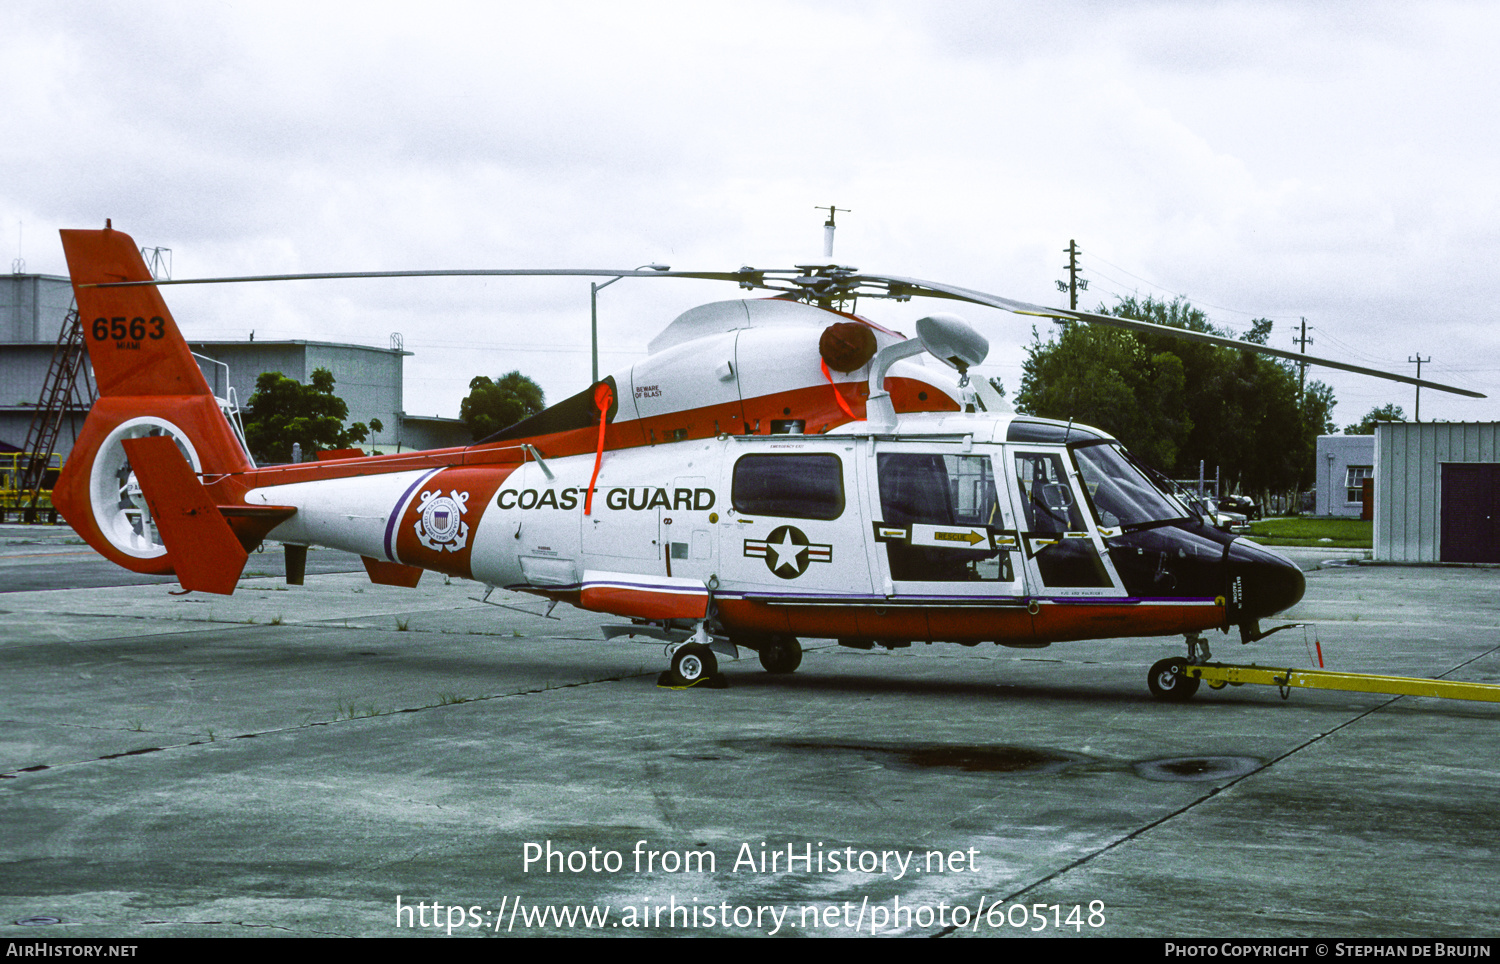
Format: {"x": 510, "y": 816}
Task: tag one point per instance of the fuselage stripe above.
{"x": 398, "y": 511}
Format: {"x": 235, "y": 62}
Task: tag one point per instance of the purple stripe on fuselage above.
{"x": 390, "y": 525}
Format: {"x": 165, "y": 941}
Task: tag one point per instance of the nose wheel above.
{"x": 1169, "y": 680}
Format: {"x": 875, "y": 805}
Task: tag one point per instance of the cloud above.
{"x": 1332, "y": 160}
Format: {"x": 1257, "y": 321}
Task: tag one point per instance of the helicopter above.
{"x": 777, "y": 468}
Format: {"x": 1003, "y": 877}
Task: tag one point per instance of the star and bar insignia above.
{"x": 787, "y": 552}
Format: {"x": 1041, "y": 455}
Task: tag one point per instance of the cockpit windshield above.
{"x": 1122, "y": 494}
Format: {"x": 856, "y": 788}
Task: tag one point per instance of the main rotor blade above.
{"x": 841, "y": 282}
{"x": 956, "y": 293}
{"x": 440, "y": 273}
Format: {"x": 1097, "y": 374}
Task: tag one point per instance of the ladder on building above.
{"x": 68, "y": 388}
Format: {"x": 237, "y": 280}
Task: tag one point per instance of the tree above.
{"x": 1174, "y": 402}
{"x": 1317, "y": 419}
{"x": 1259, "y": 333}
{"x": 1385, "y": 413}
{"x": 283, "y": 412}
{"x": 495, "y": 405}
{"x": 1105, "y": 377}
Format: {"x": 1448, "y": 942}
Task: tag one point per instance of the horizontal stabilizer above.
{"x": 252, "y": 522}
{"x": 644, "y": 597}
{"x": 206, "y": 555}
{"x": 384, "y": 573}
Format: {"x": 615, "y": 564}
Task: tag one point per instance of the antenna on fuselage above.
{"x": 828, "y": 227}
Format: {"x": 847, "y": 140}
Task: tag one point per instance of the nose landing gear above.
{"x": 1169, "y": 679}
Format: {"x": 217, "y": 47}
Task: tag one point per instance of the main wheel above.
{"x": 694, "y": 662}
{"x": 1169, "y": 680}
{"x": 781, "y": 654}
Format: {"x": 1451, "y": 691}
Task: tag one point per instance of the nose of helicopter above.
{"x": 1263, "y": 581}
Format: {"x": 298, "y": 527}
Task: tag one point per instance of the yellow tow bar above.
{"x": 1219, "y": 675}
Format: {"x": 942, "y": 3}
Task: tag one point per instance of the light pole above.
{"x": 1328, "y": 510}
{"x": 594, "y": 289}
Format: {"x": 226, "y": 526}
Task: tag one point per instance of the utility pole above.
{"x": 1302, "y": 343}
{"x": 1419, "y": 360}
{"x": 1074, "y": 283}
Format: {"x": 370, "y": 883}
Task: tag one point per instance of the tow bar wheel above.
{"x": 1169, "y": 681}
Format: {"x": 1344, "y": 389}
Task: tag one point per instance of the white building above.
{"x": 1344, "y": 462}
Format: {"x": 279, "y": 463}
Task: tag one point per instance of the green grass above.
{"x": 1306, "y": 531}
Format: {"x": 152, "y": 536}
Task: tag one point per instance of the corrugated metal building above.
{"x": 1437, "y": 491}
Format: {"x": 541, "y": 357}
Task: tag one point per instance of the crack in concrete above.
{"x": 13, "y": 773}
{"x": 1152, "y": 825}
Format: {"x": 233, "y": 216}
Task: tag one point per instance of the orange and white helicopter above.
{"x": 775, "y": 469}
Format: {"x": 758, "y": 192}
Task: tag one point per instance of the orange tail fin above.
{"x": 149, "y": 385}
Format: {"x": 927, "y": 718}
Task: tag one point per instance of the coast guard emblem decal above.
{"x": 441, "y": 525}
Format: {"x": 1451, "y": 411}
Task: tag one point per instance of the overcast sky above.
{"x": 1329, "y": 160}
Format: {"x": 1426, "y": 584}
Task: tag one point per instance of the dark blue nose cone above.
{"x": 1262, "y": 582}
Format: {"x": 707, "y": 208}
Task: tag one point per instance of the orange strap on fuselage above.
{"x": 603, "y": 395}
{"x": 838, "y": 396}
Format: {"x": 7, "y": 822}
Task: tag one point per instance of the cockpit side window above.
{"x": 1057, "y": 533}
{"x": 1046, "y": 497}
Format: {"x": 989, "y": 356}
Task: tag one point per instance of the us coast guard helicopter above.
{"x": 776, "y": 468}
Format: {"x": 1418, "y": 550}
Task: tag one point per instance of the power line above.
{"x": 1236, "y": 326}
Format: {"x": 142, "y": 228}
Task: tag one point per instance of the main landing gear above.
{"x": 780, "y": 654}
{"x": 691, "y": 654}
{"x": 693, "y": 663}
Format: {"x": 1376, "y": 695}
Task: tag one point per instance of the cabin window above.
{"x": 949, "y": 510}
{"x": 790, "y": 486}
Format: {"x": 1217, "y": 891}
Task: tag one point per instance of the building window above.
{"x": 1354, "y": 478}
